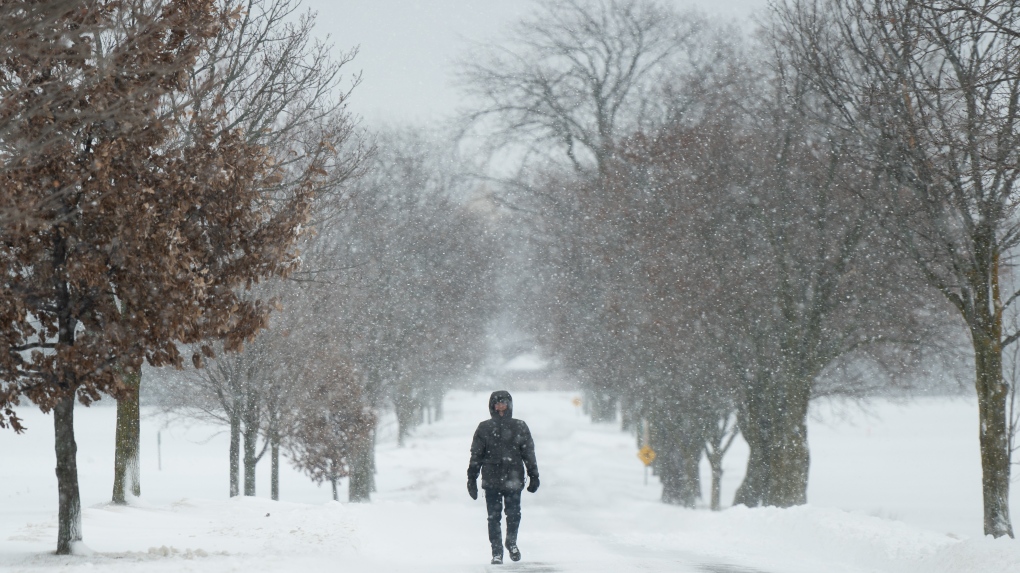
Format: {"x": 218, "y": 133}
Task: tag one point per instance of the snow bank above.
{"x": 812, "y": 539}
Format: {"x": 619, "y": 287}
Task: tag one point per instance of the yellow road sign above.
{"x": 646, "y": 455}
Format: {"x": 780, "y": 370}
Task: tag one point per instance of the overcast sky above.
{"x": 408, "y": 48}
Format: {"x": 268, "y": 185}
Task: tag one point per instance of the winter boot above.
{"x": 497, "y": 558}
{"x": 515, "y": 554}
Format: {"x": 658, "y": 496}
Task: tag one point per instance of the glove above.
{"x": 473, "y": 489}
{"x": 533, "y": 484}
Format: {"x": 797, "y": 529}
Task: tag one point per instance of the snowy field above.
{"x": 895, "y": 489}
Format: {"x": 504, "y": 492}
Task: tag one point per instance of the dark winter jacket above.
{"x": 502, "y": 448}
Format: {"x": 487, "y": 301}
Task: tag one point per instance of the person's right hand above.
{"x": 473, "y": 489}
{"x": 533, "y": 484}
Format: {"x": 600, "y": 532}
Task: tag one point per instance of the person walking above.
{"x": 502, "y": 449}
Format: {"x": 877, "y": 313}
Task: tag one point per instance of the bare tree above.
{"x": 930, "y": 91}
{"x": 264, "y": 391}
{"x": 570, "y": 83}
{"x": 233, "y": 389}
{"x": 575, "y": 77}
{"x": 421, "y": 276}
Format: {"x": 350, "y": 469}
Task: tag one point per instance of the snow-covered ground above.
{"x": 893, "y": 490}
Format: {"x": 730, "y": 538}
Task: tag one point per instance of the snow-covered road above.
{"x": 592, "y": 514}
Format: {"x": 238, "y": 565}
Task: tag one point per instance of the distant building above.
{"x": 530, "y": 371}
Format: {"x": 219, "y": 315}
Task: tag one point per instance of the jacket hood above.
{"x": 496, "y": 397}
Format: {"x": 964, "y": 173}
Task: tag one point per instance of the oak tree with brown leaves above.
{"x": 140, "y": 238}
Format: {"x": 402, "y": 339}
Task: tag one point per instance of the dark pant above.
{"x": 496, "y": 502}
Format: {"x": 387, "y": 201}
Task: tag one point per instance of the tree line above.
{"x": 726, "y": 226}
{"x": 387, "y": 312}
{"x": 183, "y": 185}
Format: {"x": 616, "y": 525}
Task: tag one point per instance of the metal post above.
{"x": 159, "y": 450}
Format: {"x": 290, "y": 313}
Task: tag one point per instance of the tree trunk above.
{"x": 126, "y": 475}
{"x": 405, "y": 411}
{"x": 439, "y": 407}
{"x": 717, "y": 474}
{"x": 995, "y": 458}
{"x": 678, "y": 453}
{"x": 667, "y": 467}
{"x": 251, "y": 435}
{"x": 69, "y": 528}
{"x": 250, "y": 420}
{"x": 751, "y": 491}
{"x": 993, "y": 433}
{"x": 235, "y": 449}
{"x": 678, "y": 487}
{"x": 371, "y": 460}
{"x": 774, "y": 423}
{"x": 630, "y": 414}
{"x": 718, "y": 444}
{"x": 336, "y": 492}
{"x": 274, "y": 479}
{"x": 790, "y": 461}
{"x": 603, "y": 405}
{"x": 359, "y": 487}
{"x": 691, "y": 454}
